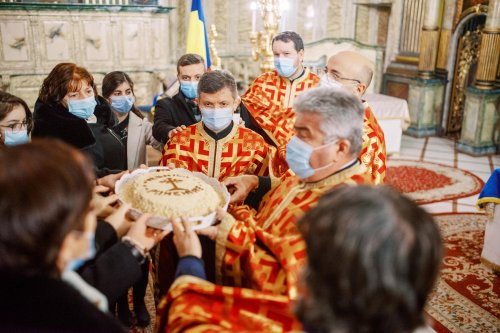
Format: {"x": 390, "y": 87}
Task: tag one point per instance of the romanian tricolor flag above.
{"x": 197, "y": 38}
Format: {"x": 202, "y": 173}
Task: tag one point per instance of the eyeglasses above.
{"x": 17, "y": 127}
{"x": 337, "y": 77}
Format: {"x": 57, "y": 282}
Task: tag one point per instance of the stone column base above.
{"x": 425, "y": 101}
{"x": 480, "y": 128}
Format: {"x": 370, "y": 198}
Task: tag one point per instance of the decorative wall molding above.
{"x": 33, "y": 42}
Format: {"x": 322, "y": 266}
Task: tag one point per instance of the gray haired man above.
{"x": 323, "y": 154}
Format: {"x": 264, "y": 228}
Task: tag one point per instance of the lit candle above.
{"x": 253, "y": 8}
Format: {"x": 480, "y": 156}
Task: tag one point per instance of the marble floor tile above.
{"x": 441, "y": 145}
{"x": 412, "y": 142}
{"x": 468, "y": 158}
{"x": 483, "y": 175}
{"x": 445, "y": 155}
{"x": 471, "y": 201}
{"x": 444, "y": 161}
{"x": 466, "y": 209}
{"x": 407, "y": 157}
{"x": 478, "y": 166}
{"x": 411, "y": 151}
{"x": 441, "y": 149}
{"x": 495, "y": 159}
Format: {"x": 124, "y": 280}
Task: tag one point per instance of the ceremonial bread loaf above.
{"x": 171, "y": 193}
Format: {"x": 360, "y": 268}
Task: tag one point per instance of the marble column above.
{"x": 426, "y": 92}
{"x": 445, "y": 35}
{"x": 487, "y": 64}
{"x": 479, "y": 134}
{"x": 429, "y": 39}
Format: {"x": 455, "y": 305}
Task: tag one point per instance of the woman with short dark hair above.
{"x": 46, "y": 228}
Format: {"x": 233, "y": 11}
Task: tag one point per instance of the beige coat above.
{"x": 139, "y": 135}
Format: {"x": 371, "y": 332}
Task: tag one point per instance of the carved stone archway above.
{"x": 464, "y": 49}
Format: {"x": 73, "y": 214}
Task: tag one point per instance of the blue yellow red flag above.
{"x": 197, "y": 38}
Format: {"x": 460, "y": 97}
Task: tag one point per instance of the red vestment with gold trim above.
{"x": 265, "y": 250}
{"x": 269, "y": 100}
{"x": 242, "y": 151}
{"x": 373, "y": 154}
{"x": 194, "y": 305}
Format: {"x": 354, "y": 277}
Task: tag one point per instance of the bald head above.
{"x": 353, "y": 67}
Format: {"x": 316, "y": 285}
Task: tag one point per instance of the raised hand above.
{"x": 185, "y": 239}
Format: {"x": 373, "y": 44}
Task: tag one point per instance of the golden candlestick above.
{"x": 214, "y": 57}
{"x": 261, "y": 40}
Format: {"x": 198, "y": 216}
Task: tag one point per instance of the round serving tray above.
{"x": 162, "y": 222}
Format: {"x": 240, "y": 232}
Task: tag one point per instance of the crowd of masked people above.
{"x": 312, "y": 240}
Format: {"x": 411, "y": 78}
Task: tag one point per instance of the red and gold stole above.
{"x": 373, "y": 153}
{"x": 270, "y": 99}
{"x": 242, "y": 151}
{"x": 194, "y": 305}
{"x": 265, "y": 251}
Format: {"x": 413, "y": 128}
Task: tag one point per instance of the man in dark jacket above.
{"x": 175, "y": 113}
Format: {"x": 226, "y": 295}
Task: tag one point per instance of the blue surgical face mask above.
{"x": 285, "y": 66}
{"x": 78, "y": 262}
{"x": 122, "y": 104}
{"x": 82, "y": 108}
{"x": 217, "y": 119}
{"x": 189, "y": 89}
{"x": 15, "y": 138}
{"x": 298, "y": 155}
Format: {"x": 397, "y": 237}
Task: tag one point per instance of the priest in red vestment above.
{"x": 263, "y": 249}
{"x": 353, "y": 73}
{"x": 217, "y": 146}
{"x": 355, "y": 234}
{"x": 269, "y": 100}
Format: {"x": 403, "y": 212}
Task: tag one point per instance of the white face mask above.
{"x": 327, "y": 81}
{"x": 217, "y": 119}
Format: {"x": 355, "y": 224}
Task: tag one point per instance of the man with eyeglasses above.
{"x": 353, "y": 73}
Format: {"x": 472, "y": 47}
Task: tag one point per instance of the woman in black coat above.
{"x": 68, "y": 108}
{"x": 46, "y": 229}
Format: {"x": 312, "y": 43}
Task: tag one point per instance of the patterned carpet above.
{"x": 467, "y": 295}
{"x": 427, "y": 182}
